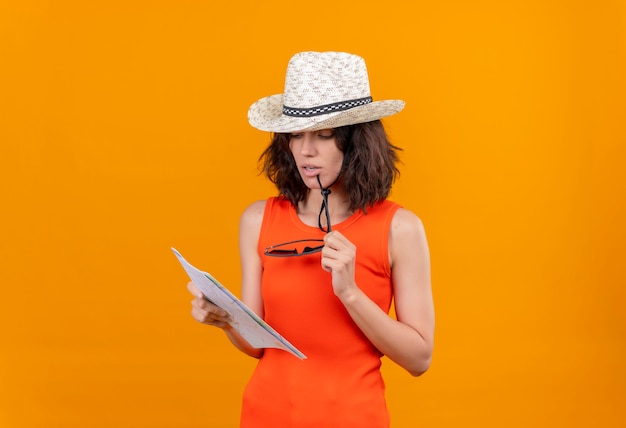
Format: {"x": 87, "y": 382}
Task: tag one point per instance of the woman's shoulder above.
{"x": 405, "y": 221}
{"x": 254, "y": 212}
{"x": 407, "y": 231}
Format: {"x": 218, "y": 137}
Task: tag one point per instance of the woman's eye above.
{"x": 326, "y": 136}
{"x": 294, "y": 136}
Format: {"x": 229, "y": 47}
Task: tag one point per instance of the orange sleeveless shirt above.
{"x": 339, "y": 384}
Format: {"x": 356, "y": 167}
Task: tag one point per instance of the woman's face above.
{"x": 316, "y": 153}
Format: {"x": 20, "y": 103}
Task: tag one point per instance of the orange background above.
{"x": 123, "y": 132}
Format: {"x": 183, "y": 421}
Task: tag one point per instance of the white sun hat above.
{"x": 322, "y": 90}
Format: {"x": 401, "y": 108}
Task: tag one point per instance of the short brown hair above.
{"x": 368, "y": 172}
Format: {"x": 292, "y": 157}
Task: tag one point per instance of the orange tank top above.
{"x": 339, "y": 384}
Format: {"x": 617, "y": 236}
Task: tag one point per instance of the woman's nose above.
{"x": 308, "y": 144}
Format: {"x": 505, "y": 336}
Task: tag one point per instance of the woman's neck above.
{"x": 338, "y": 206}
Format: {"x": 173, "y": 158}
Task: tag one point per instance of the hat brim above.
{"x": 267, "y": 115}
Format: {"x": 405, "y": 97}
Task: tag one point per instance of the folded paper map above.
{"x": 256, "y": 331}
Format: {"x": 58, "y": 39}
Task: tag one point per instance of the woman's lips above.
{"x": 310, "y": 171}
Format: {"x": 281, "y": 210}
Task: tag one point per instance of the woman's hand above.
{"x": 202, "y": 310}
{"x": 338, "y": 258}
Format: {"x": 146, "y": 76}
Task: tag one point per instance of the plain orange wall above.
{"x": 123, "y": 132}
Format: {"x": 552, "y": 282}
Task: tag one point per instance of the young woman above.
{"x": 322, "y": 261}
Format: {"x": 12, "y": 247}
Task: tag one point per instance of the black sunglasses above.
{"x": 300, "y": 247}
{"x": 303, "y": 247}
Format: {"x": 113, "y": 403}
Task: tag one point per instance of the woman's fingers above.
{"x": 205, "y": 311}
{"x": 193, "y": 289}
